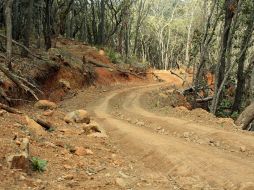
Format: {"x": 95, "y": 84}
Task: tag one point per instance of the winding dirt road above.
{"x": 184, "y": 153}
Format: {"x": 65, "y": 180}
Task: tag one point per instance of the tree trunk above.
{"x": 188, "y": 43}
{"x": 240, "y": 72}
{"x": 28, "y": 27}
{"x": 101, "y": 38}
{"x": 221, "y": 68}
{"x": 8, "y": 21}
{"x": 225, "y": 38}
{"x": 249, "y": 77}
{"x": 246, "y": 117}
{"x": 47, "y": 25}
{"x": 94, "y": 25}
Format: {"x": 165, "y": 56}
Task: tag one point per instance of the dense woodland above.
{"x": 212, "y": 36}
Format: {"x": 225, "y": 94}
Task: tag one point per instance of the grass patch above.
{"x": 39, "y": 164}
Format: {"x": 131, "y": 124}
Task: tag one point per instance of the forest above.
{"x": 206, "y": 37}
{"x": 127, "y": 94}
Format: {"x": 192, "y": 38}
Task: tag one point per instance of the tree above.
{"x": 8, "y": 21}
{"x": 28, "y": 24}
{"x": 241, "y": 62}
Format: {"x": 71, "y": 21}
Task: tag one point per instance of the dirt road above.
{"x": 184, "y": 154}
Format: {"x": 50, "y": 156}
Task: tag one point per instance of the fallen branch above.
{"x": 45, "y": 124}
{"x": 207, "y": 99}
{"x": 23, "y": 47}
{"x": 173, "y": 73}
{"x": 19, "y": 83}
{"x": 9, "y": 109}
{"x": 4, "y": 95}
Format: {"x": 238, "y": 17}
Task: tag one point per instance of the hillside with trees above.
{"x": 167, "y": 67}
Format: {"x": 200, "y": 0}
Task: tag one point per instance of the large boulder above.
{"x": 45, "y": 104}
{"x": 34, "y": 128}
{"x": 78, "y": 116}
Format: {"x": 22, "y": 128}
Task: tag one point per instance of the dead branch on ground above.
{"x": 9, "y": 109}
{"x": 20, "y": 82}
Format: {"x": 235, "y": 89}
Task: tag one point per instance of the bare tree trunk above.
{"x": 8, "y": 20}
{"x": 101, "y": 38}
{"x": 47, "y": 25}
{"x": 188, "y": 43}
{"x": 249, "y": 77}
{"x": 225, "y": 38}
{"x": 28, "y": 27}
{"x": 240, "y": 72}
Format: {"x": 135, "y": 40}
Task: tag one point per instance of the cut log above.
{"x": 45, "y": 124}
{"x": 246, "y": 117}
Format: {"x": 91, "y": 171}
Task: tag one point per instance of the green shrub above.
{"x": 113, "y": 56}
{"x": 38, "y": 164}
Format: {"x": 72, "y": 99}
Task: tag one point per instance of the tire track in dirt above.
{"x": 193, "y": 166}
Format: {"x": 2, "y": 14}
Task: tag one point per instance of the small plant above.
{"x": 51, "y": 129}
{"x": 38, "y": 164}
{"x": 113, "y": 56}
{"x": 235, "y": 115}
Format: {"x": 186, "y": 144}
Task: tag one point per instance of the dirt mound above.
{"x": 62, "y": 71}
{"x": 102, "y": 76}
{"x": 167, "y": 96}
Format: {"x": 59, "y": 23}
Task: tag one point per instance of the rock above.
{"x": 98, "y": 135}
{"x": 102, "y": 52}
{"x": 81, "y": 151}
{"x": 2, "y": 112}
{"x": 93, "y": 129}
{"x": 186, "y": 134}
{"x": 78, "y": 116}
{"x": 50, "y": 144}
{"x": 140, "y": 123}
{"x": 48, "y": 113}
{"x": 18, "y": 142}
{"x": 121, "y": 182}
{"x": 22, "y": 178}
{"x": 217, "y": 143}
{"x": 89, "y": 152}
{"x": 45, "y": 104}
{"x": 34, "y": 127}
{"x": 68, "y": 177}
{"x": 68, "y": 167}
{"x": 243, "y": 149}
{"x": 65, "y": 84}
{"x": 20, "y": 160}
